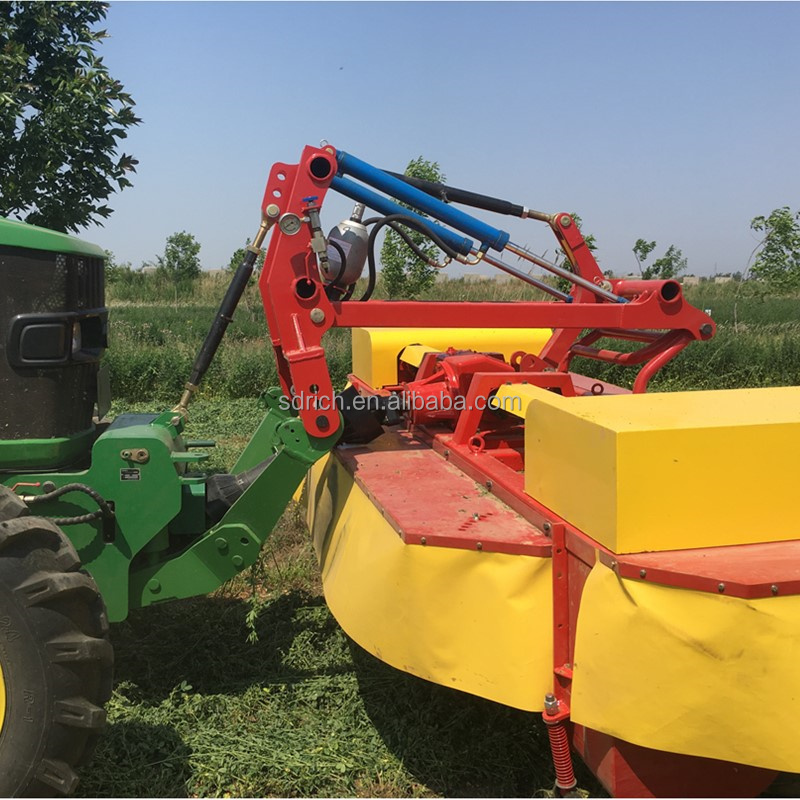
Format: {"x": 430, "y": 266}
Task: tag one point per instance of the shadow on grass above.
{"x": 203, "y": 642}
{"x": 302, "y": 712}
{"x": 456, "y": 744}
{"x": 142, "y": 759}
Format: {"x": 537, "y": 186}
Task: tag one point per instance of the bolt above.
{"x": 317, "y": 315}
{"x": 446, "y": 453}
{"x": 614, "y": 565}
{"x": 550, "y": 705}
{"x": 238, "y": 562}
{"x": 476, "y": 516}
{"x": 221, "y": 544}
{"x": 566, "y": 221}
{"x": 48, "y": 486}
{"x": 175, "y": 421}
{"x": 721, "y": 587}
{"x": 322, "y": 422}
{"x": 423, "y": 540}
{"x": 154, "y": 585}
{"x": 489, "y": 485}
{"x": 126, "y": 454}
{"x": 273, "y": 210}
{"x": 479, "y": 545}
{"x": 642, "y": 573}
{"x": 705, "y": 329}
{"x": 774, "y": 588}
{"x": 547, "y": 527}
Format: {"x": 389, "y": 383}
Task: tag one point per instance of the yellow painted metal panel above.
{"x": 667, "y": 471}
{"x": 516, "y": 398}
{"x": 474, "y": 621}
{"x": 375, "y": 350}
{"x": 414, "y": 353}
{"x": 689, "y": 672}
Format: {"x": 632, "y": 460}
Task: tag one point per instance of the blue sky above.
{"x": 677, "y": 122}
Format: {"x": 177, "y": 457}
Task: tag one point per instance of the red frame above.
{"x": 290, "y": 266}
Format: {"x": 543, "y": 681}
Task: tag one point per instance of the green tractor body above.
{"x": 122, "y": 499}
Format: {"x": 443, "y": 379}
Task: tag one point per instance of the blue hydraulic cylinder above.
{"x": 361, "y": 170}
{"x": 360, "y": 193}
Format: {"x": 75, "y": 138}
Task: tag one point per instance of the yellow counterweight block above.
{"x": 653, "y": 472}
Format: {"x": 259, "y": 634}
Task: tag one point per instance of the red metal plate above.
{"x": 745, "y": 570}
{"x": 431, "y": 502}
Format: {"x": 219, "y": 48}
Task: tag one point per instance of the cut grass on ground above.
{"x": 302, "y": 712}
{"x": 199, "y": 711}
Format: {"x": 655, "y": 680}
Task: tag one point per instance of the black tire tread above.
{"x": 57, "y": 775}
{"x": 64, "y": 607}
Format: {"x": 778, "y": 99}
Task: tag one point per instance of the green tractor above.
{"x": 98, "y": 516}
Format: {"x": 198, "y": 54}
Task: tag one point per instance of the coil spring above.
{"x": 562, "y": 758}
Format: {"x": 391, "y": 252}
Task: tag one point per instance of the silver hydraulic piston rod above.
{"x": 564, "y": 273}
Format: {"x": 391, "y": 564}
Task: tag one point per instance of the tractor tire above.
{"x": 55, "y": 658}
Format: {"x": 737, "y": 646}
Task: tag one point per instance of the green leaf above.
{"x": 62, "y": 116}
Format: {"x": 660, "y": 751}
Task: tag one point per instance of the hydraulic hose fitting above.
{"x": 475, "y": 261}
{"x": 183, "y": 405}
{"x": 263, "y": 229}
{"x": 318, "y": 243}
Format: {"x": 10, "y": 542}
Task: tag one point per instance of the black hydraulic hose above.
{"x": 224, "y": 317}
{"x": 451, "y": 194}
{"x": 343, "y": 263}
{"x": 64, "y": 521}
{"x": 417, "y": 225}
{"x": 417, "y": 250}
{"x": 345, "y": 292}
{"x": 105, "y": 508}
{"x": 410, "y": 222}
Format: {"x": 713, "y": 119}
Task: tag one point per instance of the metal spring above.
{"x": 562, "y": 759}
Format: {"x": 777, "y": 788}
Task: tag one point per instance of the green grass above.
{"x": 153, "y": 345}
{"x": 303, "y": 712}
{"x": 199, "y": 711}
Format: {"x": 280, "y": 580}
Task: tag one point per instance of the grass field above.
{"x": 153, "y": 344}
{"x": 303, "y": 711}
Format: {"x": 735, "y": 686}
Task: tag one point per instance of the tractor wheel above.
{"x": 55, "y": 658}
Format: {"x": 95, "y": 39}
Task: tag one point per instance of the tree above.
{"x": 238, "y": 257}
{"x": 778, "y": 258}
{"x": 641, "y": 250}
{"x": 62, "y": 116}
{"x": 404, "y": 274}
{"x": 116, "y": 271}
{"x": 181, "y": 261}
{"x": 670, "y": 265}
